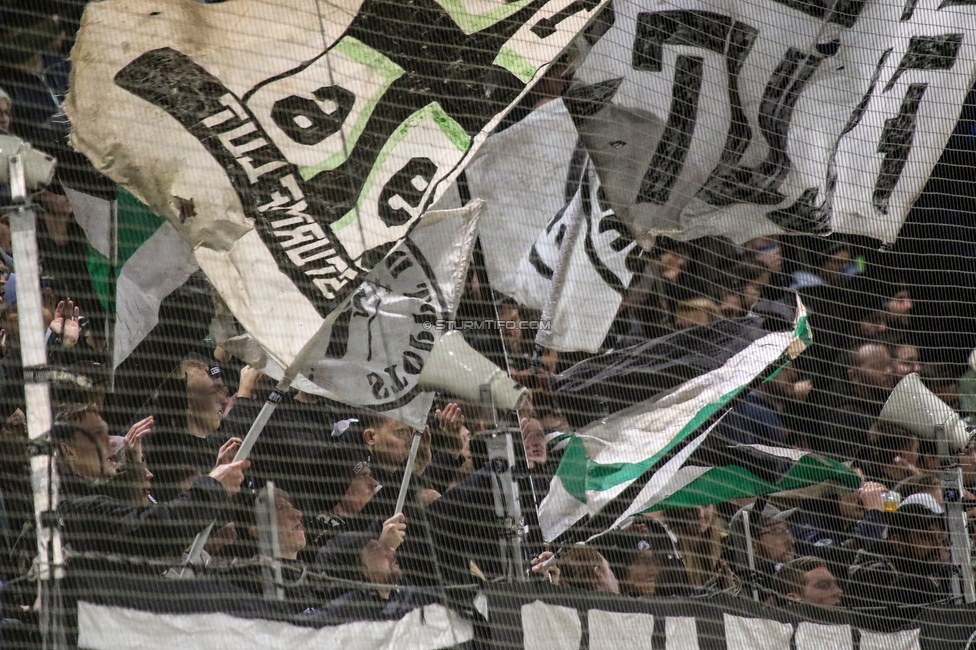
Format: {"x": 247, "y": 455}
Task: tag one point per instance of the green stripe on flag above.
{"x": 599, "y": 477}
{"x": 136, "y": 224}
{"x": 735, "y": 482}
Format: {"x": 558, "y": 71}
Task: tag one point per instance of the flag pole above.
{"x": 196, "y": 548}
{"x": 37, "y": 398}
{"x": 408, "y": 472}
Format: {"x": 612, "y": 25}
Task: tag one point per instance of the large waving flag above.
{"x": 135, "y": 259}
{"x": 525, "y": 175}
{"x": 294, "y": 151}
{"x": 374, "y": 352}
{"x": 656, "y": 453}
{"x": 762, "y": 116}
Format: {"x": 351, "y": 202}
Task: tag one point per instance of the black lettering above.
{"x": 896, "y": 143}
{"x": 898, "y": 134}
{"x": 729, "y": 183}
{"x": 927, "y": 53}
{"x": 303, "y": 119}
{"x": 422, "y": 341}
{"x": 428, "y": 314}
{"x": 909, "y": 10}
{"x": 406, "y": 190}
{"x": 547, "y": 26}
{"x": 398, "y": 383}
{"x": 422, "y": 293}
{"x": 397, "y": 262}
{"x": 839, "y": 12}
{"x": 707, "y": 30}
{"x": 376, "y": 383}
{"x": 413, "y": 363}
{"x": 669, "y": 158}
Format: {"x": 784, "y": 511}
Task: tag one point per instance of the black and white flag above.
{"x": 373, "y": 353}
{"x": 764, "y": 116}
{"x": 293, "y": 144}
{"x": 579, "y": 269}
{"x": 522, "y": 175}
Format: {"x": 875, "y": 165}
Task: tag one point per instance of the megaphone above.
{"x": 916, "y": 408}
{"x": 38, "y": 166}
{"x": 455, "y": 367}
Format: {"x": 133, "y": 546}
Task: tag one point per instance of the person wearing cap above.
{"x": 909, "y": 567}
{"x": 645, "y": 562}
{"x": 772, "y": 544}
{"x": 368, "y": 558}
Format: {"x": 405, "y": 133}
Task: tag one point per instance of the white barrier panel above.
{"x": 102, "y": 627}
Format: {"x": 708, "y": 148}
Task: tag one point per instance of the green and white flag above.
{"x": 152, "y": 262}
{"x": 651, "y": 455}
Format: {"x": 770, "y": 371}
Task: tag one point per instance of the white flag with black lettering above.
{"x": 578, "y": 270}
{"x": 294, "y": 143}
{"x": 766, "y": 116}
{"x": 374, "y": 351}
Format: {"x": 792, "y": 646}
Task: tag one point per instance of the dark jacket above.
{"x": 93, "y": 522}
{"x": 879, "y": 578}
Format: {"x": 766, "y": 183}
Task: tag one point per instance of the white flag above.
{"x": 765, "y": 116}
{"x": 580, "y": 268}
{"x": 376, "y": 348}
{"x": 293, "y": 144}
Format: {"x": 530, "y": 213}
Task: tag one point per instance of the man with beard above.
{"x": 856, "y": 404}
{"x": 907, "y": 568}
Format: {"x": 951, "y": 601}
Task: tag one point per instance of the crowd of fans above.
{"x": 138, "y": 484}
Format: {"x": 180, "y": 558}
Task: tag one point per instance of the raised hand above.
{"x": 227, "y": 451}
{"x": 65, "y": 323}
{"x": 231, "y": 475}
{"x": 133, "y": 439}
{"x": 451, "y": 422}
{"x": 394, "y": 532}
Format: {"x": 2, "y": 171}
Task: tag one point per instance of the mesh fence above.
{"x": 472, "y": 323}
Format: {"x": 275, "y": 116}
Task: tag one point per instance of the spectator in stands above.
{"x": 369, "y": 557}
{"x": 772, "y": 544}
{"x": 99, "y": 523}
{"x": 830, "y": 270}
{"x": 808, "y": 580}
{"x": 892, "y": 454}
{"x": 769, "y": 253}
{"x": 835, "y": 527}
{"x": 585, "y": 568}
{"x": 921, "y": 484}
{"x": 906, "y": 568}
{"x": 759, "y": 418}
{"x": 645, "y": 562}
{"x": 942, "y": 380}
{"x": 904, "y": 361}
{"x": 187, "y": 414}
{"x": 63, "y": 332}
{"x": 855, "y": 403}
{"x": 6, "y": 106}
{"x": 700, "y": 532}
{"x": 694, "y": 312}
{"x": 898, "y": 310}
{"x": 291, "y": 532}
